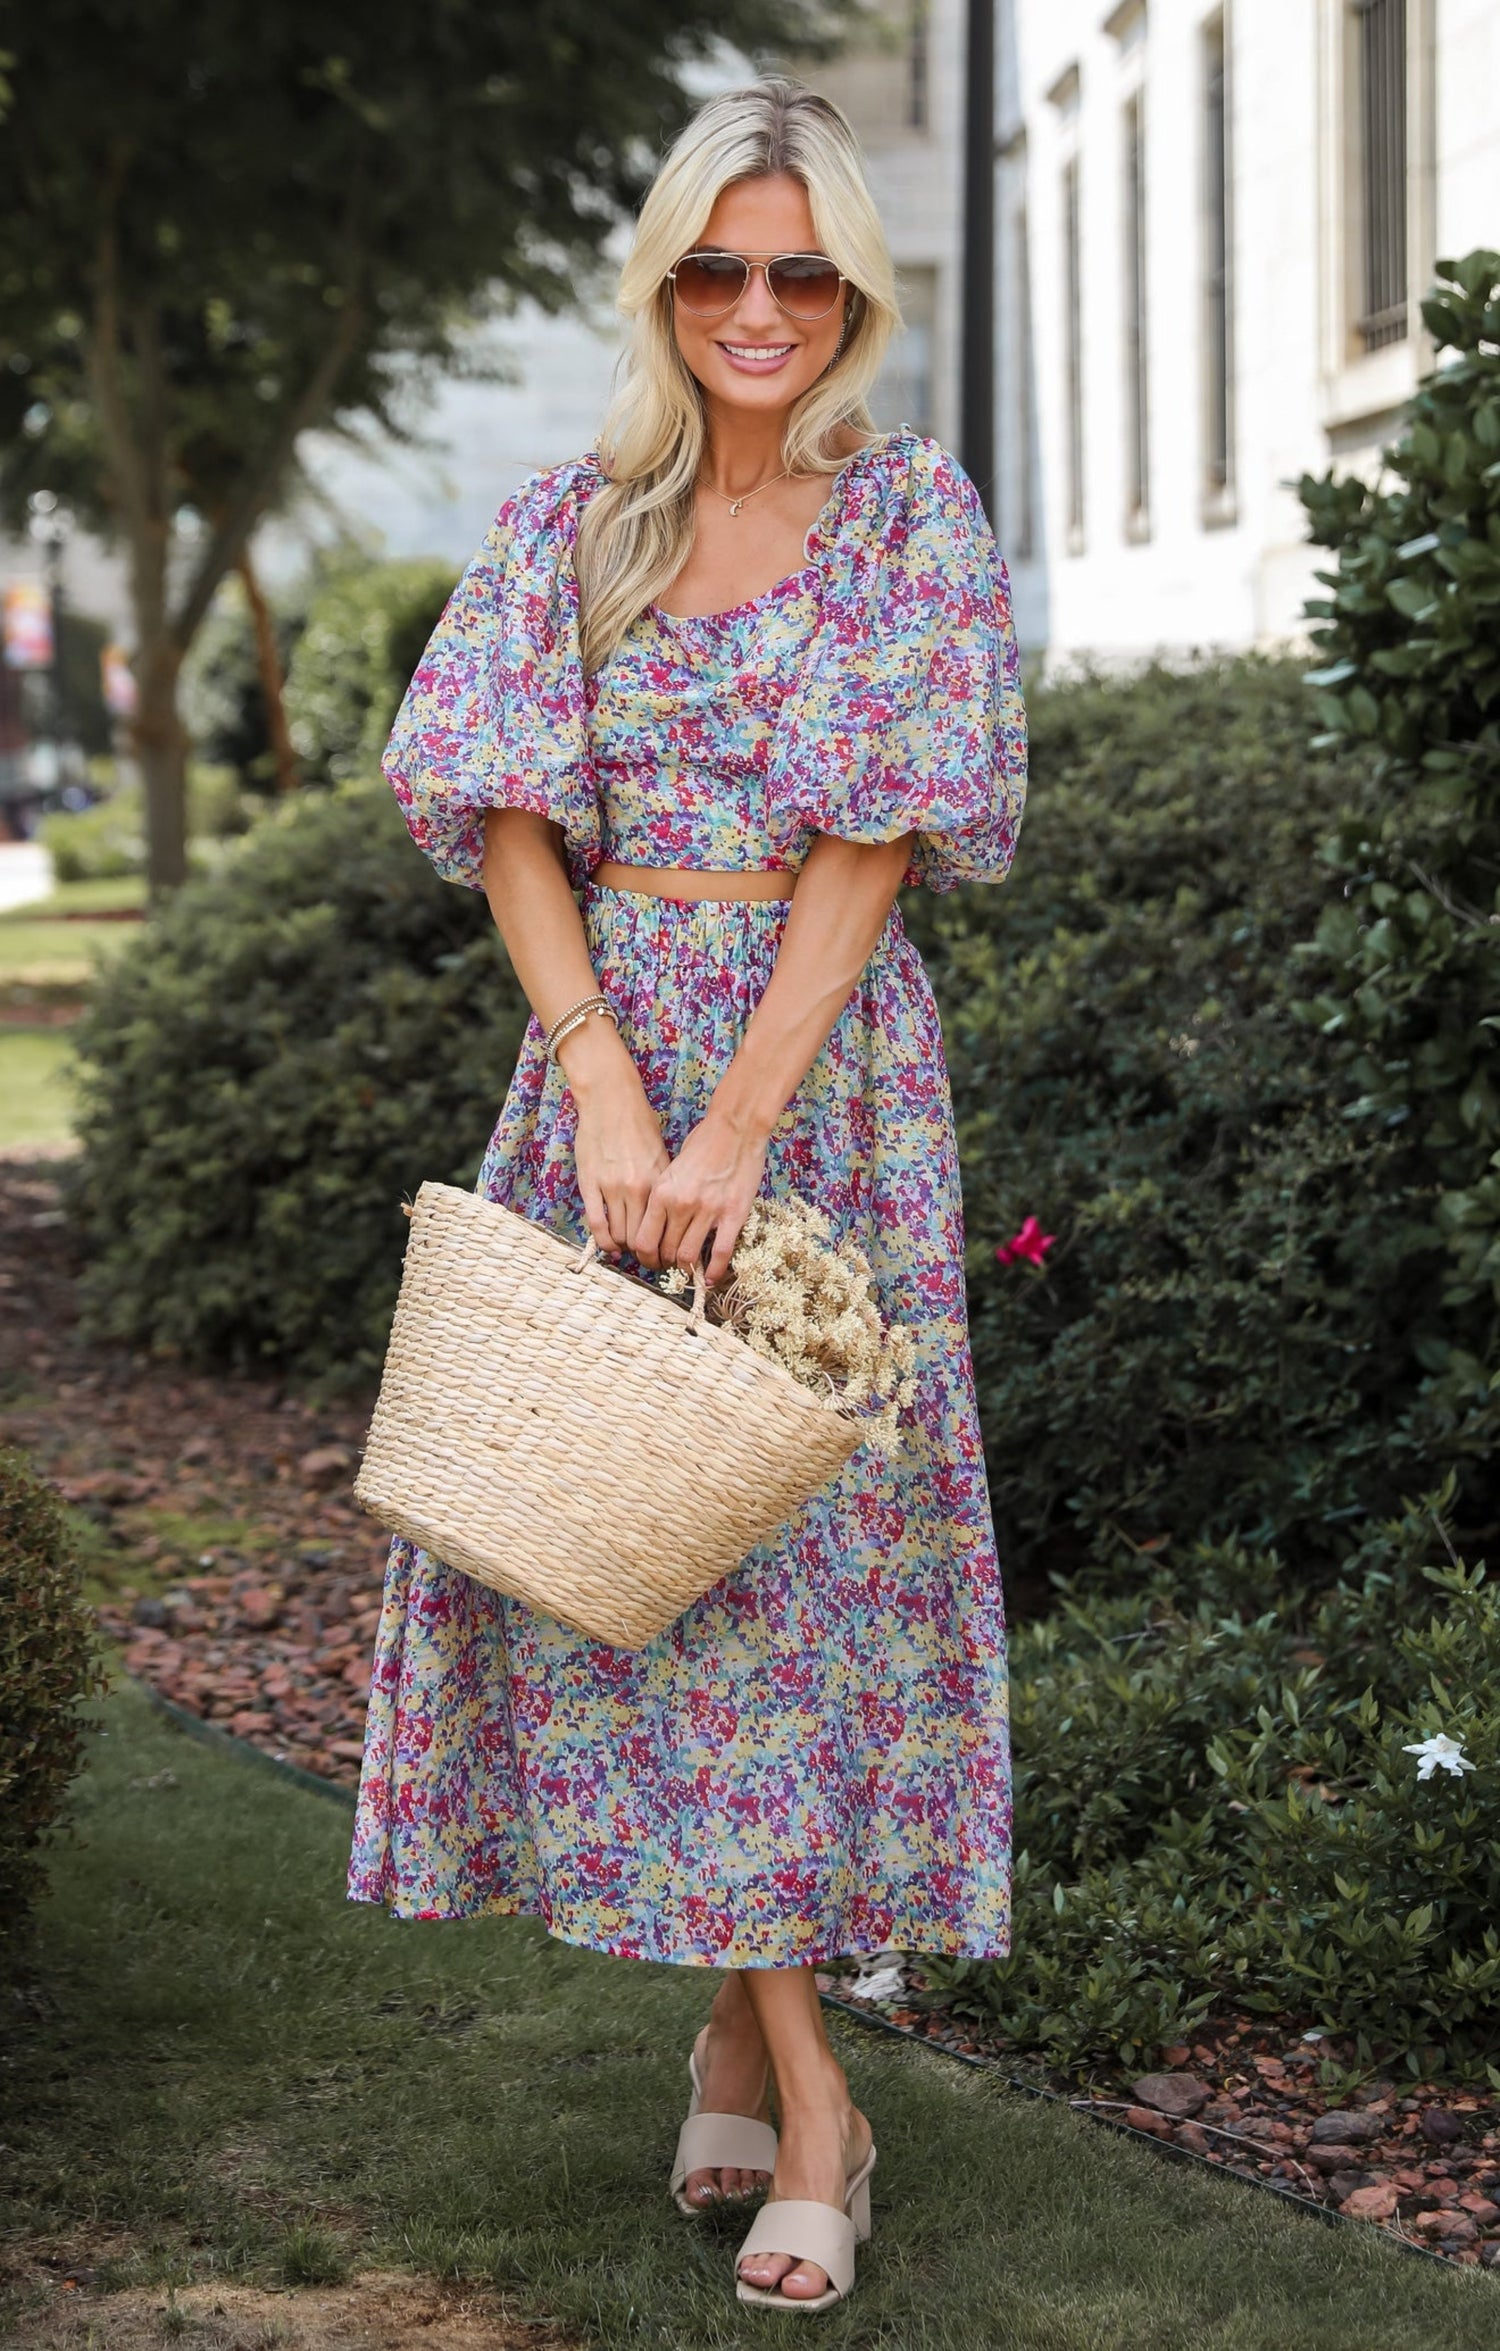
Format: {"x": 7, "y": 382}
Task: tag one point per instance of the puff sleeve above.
{"x": 494, "y": 716}
{"x": 908, "y": 716}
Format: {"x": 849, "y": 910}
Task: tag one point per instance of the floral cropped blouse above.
{"x": 874, "y": 692}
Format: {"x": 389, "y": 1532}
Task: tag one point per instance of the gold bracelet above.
{"x": 606, "y": 1011}
{"x": 583, "y": 1004}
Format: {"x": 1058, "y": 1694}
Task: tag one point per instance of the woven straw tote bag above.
{"x": 565, "y": 1433}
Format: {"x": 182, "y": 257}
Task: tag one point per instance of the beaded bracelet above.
{"x": 575, "y": 1020}
{"x": 583, "y": 1004}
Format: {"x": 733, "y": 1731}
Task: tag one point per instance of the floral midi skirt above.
{"x": 814, "y": 1759}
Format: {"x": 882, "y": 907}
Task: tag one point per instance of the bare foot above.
{"x": 736, "y": 2078}
{"x": 821, "y": 2144}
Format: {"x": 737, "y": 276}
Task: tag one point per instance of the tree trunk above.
{"x": 272, "y": 683}
{"x": 161, "y": 747}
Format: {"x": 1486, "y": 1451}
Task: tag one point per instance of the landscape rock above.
{"x": 260, "y": 1606}
{"x": 326, "y": 1465}
{"x": 1440, "y": 2126}
{"x": 1344, "y": 2184}
{"x": 1332, "y": 2159}
{"x": 1376, "y": 2203}
{"x": 1346, "y": 2128}
{"x": 1179, "y": 2094}
{"x": 1144, "y": 2118}
{"x": 1454, "y": 2227}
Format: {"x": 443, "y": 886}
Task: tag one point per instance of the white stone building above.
{"x": 1216, "y": 223}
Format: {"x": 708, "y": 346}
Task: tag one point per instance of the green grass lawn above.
{"x": 228, "y": 2056}
{"x": 46, "y": 964}
{"x": 93, "y": 897}
{"x": 34, "y": 949}
{"x": 35, "y": 1098}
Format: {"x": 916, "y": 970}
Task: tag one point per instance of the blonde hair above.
{"x": 636, "y": 531}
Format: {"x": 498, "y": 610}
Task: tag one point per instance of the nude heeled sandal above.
{"x": 713, "y": 2142}
{"x": 809, "y": 2231}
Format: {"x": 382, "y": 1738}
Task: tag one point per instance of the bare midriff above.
{"x": 685, "y": 881}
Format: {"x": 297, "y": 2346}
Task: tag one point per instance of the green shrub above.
{"x": 1224, "y": 1338}
{"x": 48, "y": 1664}
{"x": 1214, "y": 1808}
{"x": 286, "y": 1052}
{"x": 1407, "y": 961}
{"x": 367, "y": 628}
{"x": 97, "y": 844}
{"x": 108, "y": 840}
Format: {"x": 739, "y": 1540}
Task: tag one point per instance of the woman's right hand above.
{"x": 619, "y": 1151}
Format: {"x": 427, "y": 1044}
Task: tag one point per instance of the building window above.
{"x": 918, "y": 67}
{"x": 1133, "y": 213}
{"x": 1072, "y": 228}
{"x": 1218, "y": 352}
{"x": 1379, "y": 64}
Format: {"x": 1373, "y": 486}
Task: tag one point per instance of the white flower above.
{"x": 1439, "y": 1749}
{"x": 883, "y": 1983}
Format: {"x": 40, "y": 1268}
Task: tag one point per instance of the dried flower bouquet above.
{"x": 808, "y": 1302}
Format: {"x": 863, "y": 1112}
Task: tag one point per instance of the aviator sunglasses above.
{"x": 804, "y": 285}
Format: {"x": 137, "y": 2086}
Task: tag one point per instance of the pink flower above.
{"x": 1030, "y": 1242}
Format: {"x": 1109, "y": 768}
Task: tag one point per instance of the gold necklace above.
{"x": 734, "y": 504}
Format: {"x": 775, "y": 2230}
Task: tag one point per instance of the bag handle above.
{"x": 590, "y": 1252}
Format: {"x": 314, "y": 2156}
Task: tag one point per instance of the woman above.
{"x": 705, "y": 698}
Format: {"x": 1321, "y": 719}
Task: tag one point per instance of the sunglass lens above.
{"x": 710, "y": 281}
{"x": 805, "y": 284}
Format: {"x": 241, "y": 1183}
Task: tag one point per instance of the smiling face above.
{"x": 754, "y": 357}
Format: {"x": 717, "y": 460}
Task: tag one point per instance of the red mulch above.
{"x": 268, "y": 1630}
{"x": 1420, "y": 2158}
{"x": 229, "y": 1558}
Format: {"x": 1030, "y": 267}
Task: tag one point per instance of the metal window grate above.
{"x": 1216, "y": 322}
{"x": 1380, "y": 30}
{"x": 1137, "y": 457}
{"x": 1073, "y": 330}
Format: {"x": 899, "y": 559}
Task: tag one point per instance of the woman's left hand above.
{"x": 708, "y": 1188}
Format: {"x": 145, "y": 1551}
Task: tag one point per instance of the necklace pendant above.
{"x": 734, "y": 505}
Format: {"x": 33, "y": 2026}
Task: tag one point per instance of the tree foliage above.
{"x": 367, "y": 626}
{"x": 219, "y": 229}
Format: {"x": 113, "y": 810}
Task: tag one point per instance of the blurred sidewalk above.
{"x": 25, "y": 873}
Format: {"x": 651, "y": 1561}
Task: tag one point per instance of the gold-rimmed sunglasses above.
{"x": 804, "y": 285}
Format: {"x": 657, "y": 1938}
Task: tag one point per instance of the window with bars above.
{"x": 1218, "y": 462}
{"x": 1379, "y": 72}
{"x": 1133, "y": 213}
{"x": 1073, "y": 352}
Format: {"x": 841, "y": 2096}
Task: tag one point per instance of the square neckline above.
{"x": 822, "y": 522}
